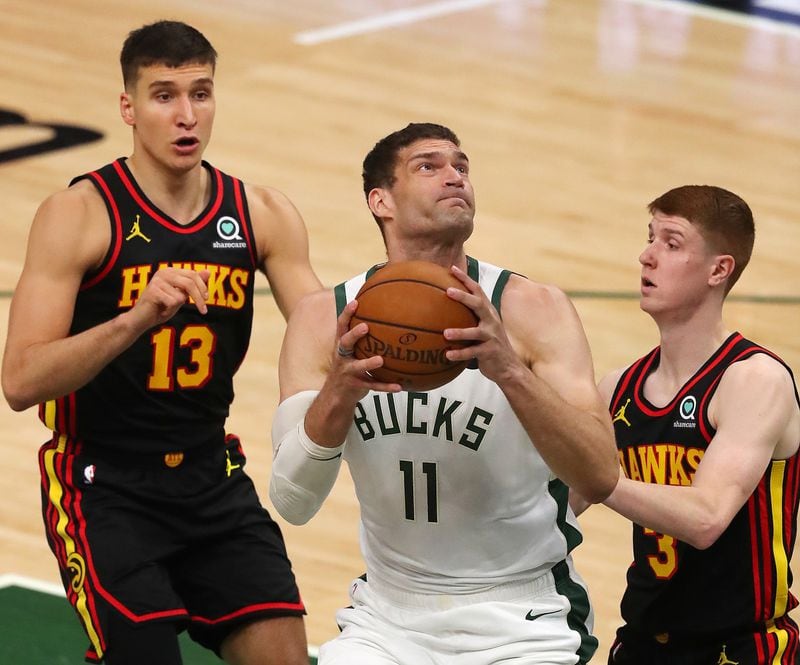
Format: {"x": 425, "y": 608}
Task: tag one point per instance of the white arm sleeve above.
{"x": 303, "y": 472}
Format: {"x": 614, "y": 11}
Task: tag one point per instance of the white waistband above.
{"x": 509, "y": 591}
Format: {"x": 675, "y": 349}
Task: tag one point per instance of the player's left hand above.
{"x": 491, "y": 347}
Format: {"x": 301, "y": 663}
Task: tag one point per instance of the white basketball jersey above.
{"x": 454, "y": 496}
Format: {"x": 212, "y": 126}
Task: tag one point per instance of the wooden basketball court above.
{"x": 575, "y": 114}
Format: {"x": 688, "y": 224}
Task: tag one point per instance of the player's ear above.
{"x": 380, "y": 202}
{"x": 126, "y": 108}
{"x": 722, "y": 269}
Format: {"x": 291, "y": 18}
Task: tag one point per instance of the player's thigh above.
{"x": 354, "y": 652}
{"x": 372, "y": 634}
{"x": 241, "y": 575}
{"x": 523, "y": 632}
{"x": 268, "y": 641}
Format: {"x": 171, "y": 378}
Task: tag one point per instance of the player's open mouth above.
{"x": 186, "y": 142}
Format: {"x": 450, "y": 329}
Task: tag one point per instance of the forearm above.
{"x": 576, "y": 444}
{"x": 678, "y": 511}
{"x": 330, "y": 416}
{"x": 47, "y": 370}
{"x": 303, "y": 472}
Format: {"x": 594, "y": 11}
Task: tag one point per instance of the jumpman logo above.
{"x": 723, "y": 658}
{"x": 228, "y": 466}
{"x": 136, "y": 232}
{"x": 620, "y": 415}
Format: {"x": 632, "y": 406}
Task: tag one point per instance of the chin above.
{"x": 646, "y": 304}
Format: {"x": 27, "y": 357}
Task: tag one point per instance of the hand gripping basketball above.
{"x": 406, "y": 307}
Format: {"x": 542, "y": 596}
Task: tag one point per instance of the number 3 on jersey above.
{"x": 202, "y": 342}
{"x": 665, "y": 563}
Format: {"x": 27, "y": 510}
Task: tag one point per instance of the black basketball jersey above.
{"x": 171, "y": 390}
{"x": 743, "y": 579}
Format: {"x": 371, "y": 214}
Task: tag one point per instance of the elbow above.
{"x": 703, "y": 535}
{"x": 597, "y": 493}
{"x": 600, "y": 486}
{"x": 295, "y": 519}
{"x": 16, "y": 404}
{"x": 293, "y": 504}
{"x": 16, "y": 396}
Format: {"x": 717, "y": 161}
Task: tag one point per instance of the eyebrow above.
{"x": 169, "y": 83}
{"x": 436, "y": 153}
{"x": 668, "y": 231}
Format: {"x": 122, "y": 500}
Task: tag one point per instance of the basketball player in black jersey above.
{"x": 130, "y": 318}
{"x": 707, "y": 427}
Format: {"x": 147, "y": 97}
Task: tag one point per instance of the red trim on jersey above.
{"x": 65, "y": 413}
{"x": 237, "y": 195}
{"x": 791, "y": 652}
{"x": 64, "y": 416}
{"x": 70, "y": 505}
{"x": 177, "y": 228}
{"x": 735, "y": 338}
{"x": 626, "y": 379}
{"x": 705, "y": 423}
{"x": 250, "y": 609}
{"x": 789, "y": 503}
{"x": 767, "y": 528}
{"x": 79, "y": 534}
{"x": 761, "y": 639}
{"x": 49, "y": 521}
{"x": 117, "y": 221}
{"x": 702, "y": 418}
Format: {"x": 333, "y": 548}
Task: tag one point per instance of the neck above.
{"x": 180, "y": 194}
{"x": 443, "y": 255}
{"x": 687, "y": 343}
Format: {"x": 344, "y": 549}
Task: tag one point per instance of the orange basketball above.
{"x": 406, "y": 307}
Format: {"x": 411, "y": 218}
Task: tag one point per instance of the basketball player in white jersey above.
{"x": 465, "y": 526}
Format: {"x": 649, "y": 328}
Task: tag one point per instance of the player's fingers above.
{"x": 462, "y": 354}
{"x": 343, "y": 321}
{"x": 476, "y": 301}
{"x": 345, "y": 347}
{"x": 470, "y": 284}
{"x": 195, "y": 288}
{"x": 475, "y": 334}
{"x": 199, "y": 294}
{"x": 368, "y": 365}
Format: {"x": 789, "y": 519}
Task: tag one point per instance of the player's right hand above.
{"x": 354, "y": 372}
{"x": 168, "y": 291}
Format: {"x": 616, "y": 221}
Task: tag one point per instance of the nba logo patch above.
{"x": 88, "y": 474}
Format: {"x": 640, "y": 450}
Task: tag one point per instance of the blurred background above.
{"x": 574, "y": 113}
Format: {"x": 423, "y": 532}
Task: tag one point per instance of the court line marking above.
{"x": 8, "y": 579}
{"x": 400, "y": 17}
{"x": 386, "y": 20}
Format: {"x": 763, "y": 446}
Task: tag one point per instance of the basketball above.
{"x": 407, "y": 308}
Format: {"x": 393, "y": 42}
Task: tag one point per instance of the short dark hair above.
{"x": 170, "y": 43}
{"x": 380, "y": 162}
{"x": 722, "y": 217}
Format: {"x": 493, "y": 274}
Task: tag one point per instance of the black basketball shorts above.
{"x": 754, "y": 645}
{"x": 181, "y": 538}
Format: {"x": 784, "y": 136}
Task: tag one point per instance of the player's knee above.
{"x": 273, "y": 641}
